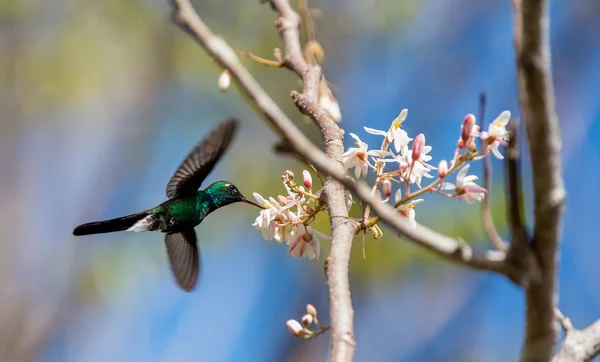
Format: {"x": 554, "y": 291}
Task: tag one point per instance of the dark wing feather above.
{"x": 184, "y": 258}
{"x": 200, "y": 162}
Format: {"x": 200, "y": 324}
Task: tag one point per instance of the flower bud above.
{"x": 295, "y": 328}
{"x": 288, "y": 174}
{"x": 224, "y": 81}
{"x": 417, "y": 147}
{"x": 307, "y": 320}
{"x": 307, "y": 179}
{"x": 467, "y": 127}
{"x": 443, "y": 169}
{"x": 386, "y": 185}
{"x": 310, "y": 309}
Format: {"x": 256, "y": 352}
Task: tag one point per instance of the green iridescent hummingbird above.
{"x": 186, "y": 208}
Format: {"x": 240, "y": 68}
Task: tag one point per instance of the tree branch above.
{"x": 579, "y": 345}
{"x": 343, "y": 229}
{"x": 341, "y": 311}
{"x": 536, "y": 95}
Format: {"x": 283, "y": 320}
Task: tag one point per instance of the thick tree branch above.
{"x": 536, "y": 95}
{"x": 579, "y": 345}
{"x": 341, "y": 311}
{"x": 520, "y": 254}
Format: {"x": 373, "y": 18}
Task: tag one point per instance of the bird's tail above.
{"x": 108, "y": 226}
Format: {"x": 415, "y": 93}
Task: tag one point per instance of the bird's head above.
{"x": 225, "y": 193}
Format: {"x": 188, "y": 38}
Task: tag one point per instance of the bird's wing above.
{"x": 184, "y": 257}
{"x": 200, "y": 162}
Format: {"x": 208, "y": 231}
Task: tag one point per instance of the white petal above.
{"x": 497, "y": 153}
{"x": 502, "y": 119}
{"x": 448, "y": 186}
{"x": 460, "y": 177}
{"x": 375, "y": 131}
{"x": 355, "y": 137}
{"x": 398, "y": 196}
{"x": 402, "y": 115}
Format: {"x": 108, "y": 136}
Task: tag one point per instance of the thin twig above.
{"x": 564, "y": 321}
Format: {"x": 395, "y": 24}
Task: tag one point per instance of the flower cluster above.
{"x": 400, "y": 160}
{"x": 287, "y": 218}
{"x": 406, "y": 161}
{"x": 302, "y": 329}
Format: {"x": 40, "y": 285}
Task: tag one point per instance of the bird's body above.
{"x": 186, "y": 208}
{"x": 184, "y": 212}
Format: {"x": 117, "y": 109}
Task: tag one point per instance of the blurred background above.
{"x": 101, "y": 100}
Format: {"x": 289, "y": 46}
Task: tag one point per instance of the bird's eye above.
{"x": 231, "y": 187}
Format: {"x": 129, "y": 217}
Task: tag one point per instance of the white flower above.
{"x": 395, "y": 133}
{"x": 357, "y": 157}
{"x": 497, "y": 134}
{"x": 407, "y": 210}
{"x": 265, "y": 219}
{"x": 285, "y": 232}
{"x": 465, "y": 189}
{"x": 307, "y": 244}
{"x": 418, "y": 170}
{"x": 497, "y": 128}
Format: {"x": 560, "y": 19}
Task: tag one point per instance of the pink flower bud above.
{"x": 224, "y": 81}
{"x": 307, "y": 320}
{"x": 307, "y": 179}
{"x": 443, "y": 169}
{"x": 386, "y": 185}
{"x": 295, "y": 328}
{"x": 467, "y": 127}
{"x": 310, "y": 309}
{"x": 417, "y": 148}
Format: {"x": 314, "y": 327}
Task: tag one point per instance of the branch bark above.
{"x": 341, "y": 311}
{"x": 579, "y": 345}
{"x": 536, "y": 96}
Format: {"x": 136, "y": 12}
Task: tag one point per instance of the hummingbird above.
{"x": 186, "y": 207}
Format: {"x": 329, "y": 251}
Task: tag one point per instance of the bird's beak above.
{"x": 252, "y": 203}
